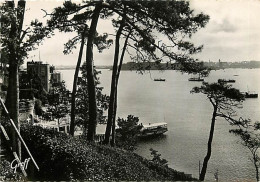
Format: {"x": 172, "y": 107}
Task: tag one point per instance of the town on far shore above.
{"x": 173, "y": 66}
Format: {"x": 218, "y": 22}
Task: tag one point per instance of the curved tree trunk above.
{"x": 207, "y": 157}
{"x": 113, "y": 86}
{"x": 90, "y": 75}
{"x": 75, "y": 81}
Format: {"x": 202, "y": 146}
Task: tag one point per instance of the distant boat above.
{"x": 159, "y": 79}
{"x": 235, "y": 75}
{"x": 196, "y": 79}
{"x": 226, "y": 81}
{"x": 153, "y": 129}
{"x": 251, "y": 95}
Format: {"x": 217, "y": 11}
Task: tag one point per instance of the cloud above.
{"x": 224, "y": 26}
{"x": 231, "y": 34}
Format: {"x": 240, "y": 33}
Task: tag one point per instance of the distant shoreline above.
{"x": 168, "y": 66}
{"x": 72, "y": 68}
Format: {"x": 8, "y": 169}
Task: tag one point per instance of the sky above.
{"x": 232, "y": 33}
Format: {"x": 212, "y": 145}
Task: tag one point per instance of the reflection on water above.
{"x": 188, "y": 117}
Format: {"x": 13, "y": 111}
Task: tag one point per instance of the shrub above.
{"x": 6, "y": 173}
{"x": 157, "y": 158}
{"x": 61, "y": 157}
{"x": 127, "y": 132}
{"x": 38, "y": 107}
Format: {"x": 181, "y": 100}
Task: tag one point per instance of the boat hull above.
{"x": 196, "y": 79}
{"x": 226, "y": 81}
{"x": 251, "y": 95}
{"x": 152, "y": 133}
{"x": 159, "y": 80}
{"x": 153, "y": 129}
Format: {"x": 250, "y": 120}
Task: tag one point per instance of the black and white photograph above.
{"x": 143, "y": 90}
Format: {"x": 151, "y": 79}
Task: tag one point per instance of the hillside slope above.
{"x": 61, "y": 157}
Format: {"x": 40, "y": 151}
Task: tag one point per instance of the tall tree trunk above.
{"x": 207, "y": 157}
{"x": 256, "y": 165}
{"x": 20, "y": 16}
{"x": 117, "y": 79}
{"x": 90, "y": 75}
{"x": 113, "y": 85}
{"x": 12, "y": 99}
{"x": 257, "y": 172}
{"x": 75, "y": 81}
{"x": 113, "y": 139}
{"x": 12, "y": 102}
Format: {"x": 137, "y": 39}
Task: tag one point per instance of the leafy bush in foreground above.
{"x": 6, "y": 173}
{"x": 61, "y": 157}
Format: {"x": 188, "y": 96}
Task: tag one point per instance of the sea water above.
{"x": 188, "y": 115}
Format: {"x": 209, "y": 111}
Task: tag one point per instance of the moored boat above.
{"x": 226, "y": 81}
{"x": 153, "y": 129}
{"x": 251, "y": 95}
{"x": 159, "y": 79}
{"x": 196, "y": 79}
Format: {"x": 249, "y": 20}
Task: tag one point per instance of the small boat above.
{"x": 153, "y": 129}
{"x": 251, "y": 95}
{"x": 159, "y": 79}
{"x": 196, "y": 79}
{"x": 226, "y": 81}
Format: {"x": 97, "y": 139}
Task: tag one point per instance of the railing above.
{"x": 99, "y": 138}
{"x": 20, "y": 138}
